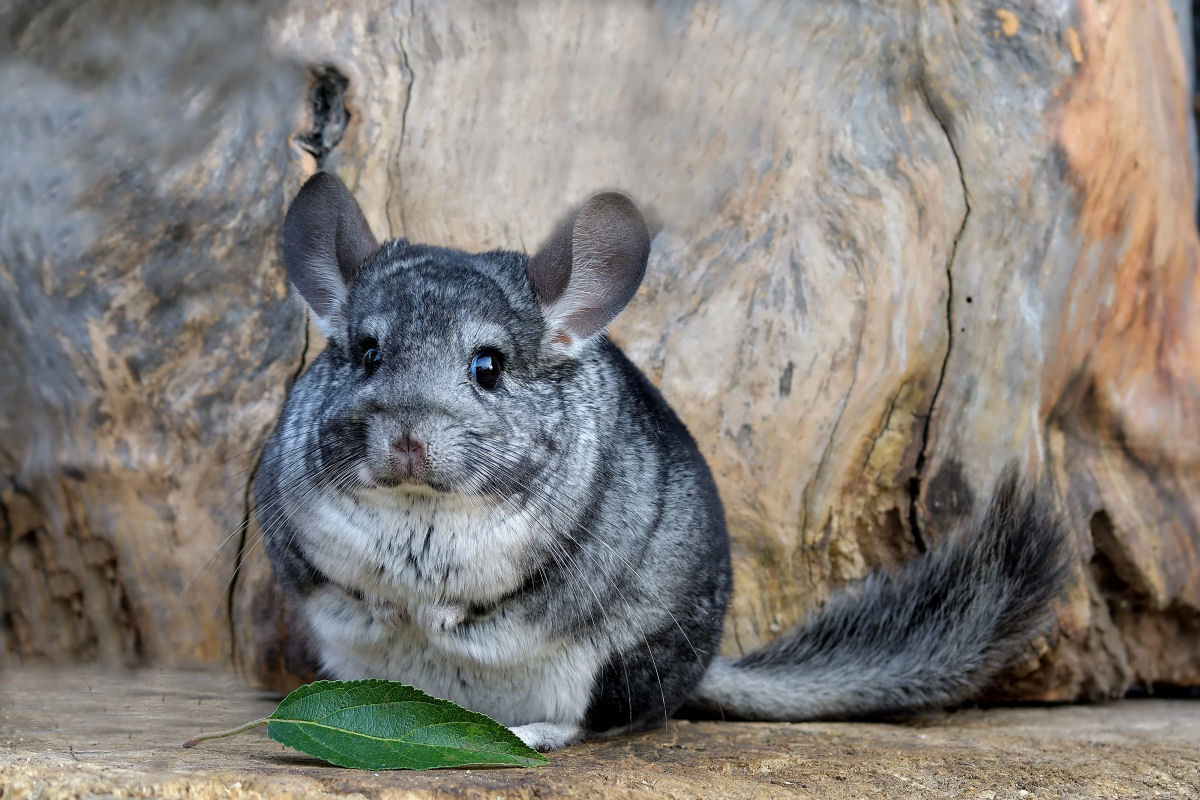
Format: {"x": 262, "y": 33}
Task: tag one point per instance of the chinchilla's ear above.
{"x": 590, "y": 268}
{"x": 325, "y": 240}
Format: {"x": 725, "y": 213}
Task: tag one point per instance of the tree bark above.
{"x": 898, "y": 247}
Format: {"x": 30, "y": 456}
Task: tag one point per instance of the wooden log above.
{"x": 147, "y": 332}
{"x": 898, "y": 247}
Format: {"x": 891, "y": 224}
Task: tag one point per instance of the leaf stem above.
{"x": 195, "y": 740}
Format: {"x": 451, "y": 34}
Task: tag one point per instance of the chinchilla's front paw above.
{"x": 438, "y": 619}
{"x": 547, "y": 736}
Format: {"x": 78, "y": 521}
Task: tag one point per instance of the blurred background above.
{"x": 898, "y": 245}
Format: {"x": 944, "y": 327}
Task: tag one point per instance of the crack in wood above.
{"x": 402, "y": 52}
{"x": 914, "y": 483}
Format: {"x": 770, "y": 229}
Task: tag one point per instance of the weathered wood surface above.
{"x": 900, "y": 245}
{"x": 118, "y": 735}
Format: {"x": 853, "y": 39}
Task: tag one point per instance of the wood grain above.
{"x": 897, "y": 246}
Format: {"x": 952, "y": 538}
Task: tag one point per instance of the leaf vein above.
{"x": 382, "y": 738}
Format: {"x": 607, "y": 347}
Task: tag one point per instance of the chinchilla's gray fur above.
{"x": 473, "y": 491}
{"x": 929, "y": 634}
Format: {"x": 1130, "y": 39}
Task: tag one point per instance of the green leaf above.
{"x": 378, "y": 724}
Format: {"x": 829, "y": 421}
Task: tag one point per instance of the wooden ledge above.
{"x": 69, "y": 734}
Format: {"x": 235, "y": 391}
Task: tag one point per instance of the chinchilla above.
{"x": 473, "y": 491}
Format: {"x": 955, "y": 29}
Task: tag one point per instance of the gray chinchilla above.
{"x": 473, "y": 491}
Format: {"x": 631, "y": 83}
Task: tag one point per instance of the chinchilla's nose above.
{"x": 408, "y": 456}
{"x": 406, "y": 444}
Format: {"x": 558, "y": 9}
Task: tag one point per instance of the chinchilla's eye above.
{"x": 485, "y": 368}
{"x": 371, "y": 356}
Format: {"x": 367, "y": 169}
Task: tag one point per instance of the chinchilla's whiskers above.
{"x": 538, "y": 492}
{"x": 254, "y": 550}
{"x": 298, "y": 475}
{"x": 657, "y": 677}
{"x": 312, "y": 429}
{"x": 475, "y": 486}
{"x": 573, "y": 572}
{"x": 571, "y": 566}
{"x": 212, "y": 559}
{"x": 303, "y": 468}
{"x": 343, "y": 475}
{"x": 302, "y": 475}
{"x": 242, "y": 478}
{"x": 300, "y": 455}
{"x": 311, "y": 442}
{"x": 472, "y": 489}
{"x": 295, "y": 469}
{"x": 298, "y": 466}
{"x": 245, "y": 474}
{"x": 498, "y": 473}
{"x": 541, "y": 492}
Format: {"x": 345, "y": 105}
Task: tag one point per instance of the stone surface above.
{"x": 899, "y": 246}
{"x": 72, "y": 734}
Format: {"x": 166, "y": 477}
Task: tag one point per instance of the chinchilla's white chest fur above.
{"x": 404, "y": 570}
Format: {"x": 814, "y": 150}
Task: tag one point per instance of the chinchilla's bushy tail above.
{"x": 931, "y": 633}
